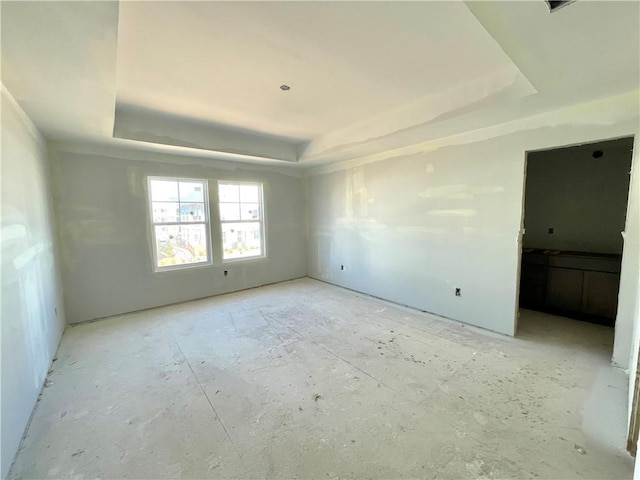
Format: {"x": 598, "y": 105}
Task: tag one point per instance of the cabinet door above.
{"x": 533, "y": 285}
{"x": 601, "y": 294}
{"x": 564, "y": 289}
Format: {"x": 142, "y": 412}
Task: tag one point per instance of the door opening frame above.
{"x": 522, "y": 232}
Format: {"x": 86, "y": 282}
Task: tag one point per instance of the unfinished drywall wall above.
{"x": 413, "y": 225}
{"x": 627, "y": 316}
{"x": 146, "y": 125}
{"x": 577, "y": 201}
{"x": 32, "y": 313}
{"x": 633, "y": 359}
{"x": 628, "y": 349}
{"x": 101, "y": 207}
{"x": 412, "y": 229}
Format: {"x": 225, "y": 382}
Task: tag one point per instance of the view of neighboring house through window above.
{"x": 180, "y": 222}
{"x": 241, "y": 219}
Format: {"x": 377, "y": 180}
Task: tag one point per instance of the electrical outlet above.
{"x": 458, "y": 292}
{"x": 341, "y": 267}
{"x": 226, "y": 272}
{"x": 550, "y": 231}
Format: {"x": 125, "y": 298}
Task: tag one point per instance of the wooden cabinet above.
{"x": 575, "y": 284}
{"x": 564, "y": 289}
{"x": 600, "y": 294}
{"x": 533, "y": 280}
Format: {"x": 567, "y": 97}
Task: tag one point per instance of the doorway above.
{"x": 575, "y": 207}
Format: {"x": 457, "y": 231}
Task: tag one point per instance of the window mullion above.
{"x": 241, "y": 221}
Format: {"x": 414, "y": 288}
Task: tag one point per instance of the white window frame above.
{"x": 261, "y": 220}
{"x": 206, "y": 223}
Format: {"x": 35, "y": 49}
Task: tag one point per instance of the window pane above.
{"x": 228, "y": 193}
{"x": 191, "y": 192}
{"x": 229, "y": 211}
{"x": 181, "y": 244}
{"x": 241, "y": 240}
{"x": 165, "y": 212}
{"x": 249, "y": 193}
{"x": 192, "y": 212}
{"x": 164, "y": 190}
{"x": 250, "y": 211}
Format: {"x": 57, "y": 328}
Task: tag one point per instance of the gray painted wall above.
{"x": 101, "y": 210}
{"x": 584, "y": 199}
{"x": 412, "y": 227}
{"x": 31, "y": 328}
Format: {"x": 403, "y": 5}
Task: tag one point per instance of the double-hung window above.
{"x": 179, "y": 222}
{"x": 241, "y": 220}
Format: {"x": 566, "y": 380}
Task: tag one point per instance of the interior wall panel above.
{"x": 103, "y": 223}
{"x": 412, "y": 226}
{"x": 32, "y": 310}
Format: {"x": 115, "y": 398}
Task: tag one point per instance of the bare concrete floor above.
{"x": 307, "y": 380}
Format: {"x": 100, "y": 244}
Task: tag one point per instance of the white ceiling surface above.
{"x": 58, "y": 62}
{"x": 363, "y": 75}
{"x": 344, "y": 61}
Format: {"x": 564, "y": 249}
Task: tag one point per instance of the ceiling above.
{"x": 344, "y": 62}
{"x": 204, "y": 77}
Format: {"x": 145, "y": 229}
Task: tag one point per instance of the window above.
{"x": 180, "y": 222}
{"x": 241, "y": 220}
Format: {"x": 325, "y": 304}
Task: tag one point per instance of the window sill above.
{"x": 188, "y": 266}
